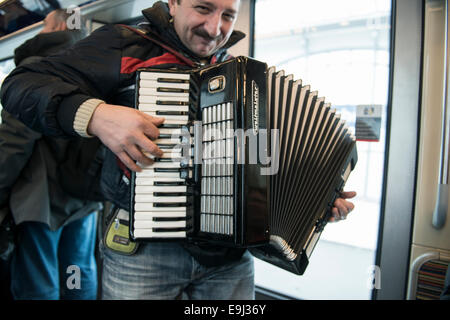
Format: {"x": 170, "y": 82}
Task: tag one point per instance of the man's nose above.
{"x": 213, "y": 25}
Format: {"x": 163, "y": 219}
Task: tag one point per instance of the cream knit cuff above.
{"x": 83, "y": 116}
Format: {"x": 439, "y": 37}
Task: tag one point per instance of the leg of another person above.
{"x": 34, "y": 266}
{"x": 78, "y": 267}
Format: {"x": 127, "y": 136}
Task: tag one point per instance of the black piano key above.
{"x": 169, "y": 229}
{"x": 165, "y": 219}
{"x": 171, "y": 113}
{"x": 167, "y": 159}
{"x": 171, "y": 126}
{"x": 170, "y": 194}
{"x": 169, "y": 204}
{"x": 174, "y": 90}
{"x": 166, "y": 169}
{"x": 166, "y": 145}
{"x": 171, "y": 80}
{"x": 168, "y": 183}
{"x": 171, "y": 103}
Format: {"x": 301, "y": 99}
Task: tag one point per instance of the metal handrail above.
{"x": 441, "y": 206}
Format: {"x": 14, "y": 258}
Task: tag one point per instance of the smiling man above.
{"x": 204, "y": 26}
{"x": 88, "y": 91}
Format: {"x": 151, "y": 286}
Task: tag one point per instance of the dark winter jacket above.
{"x": 29, "y": 162}
{"x": 47, "y": 95}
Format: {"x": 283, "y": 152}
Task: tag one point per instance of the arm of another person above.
{"x": 64, "y": 93}
{"x": 16, "y": 145}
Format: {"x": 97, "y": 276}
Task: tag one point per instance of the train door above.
{"x": 430, "y": 249}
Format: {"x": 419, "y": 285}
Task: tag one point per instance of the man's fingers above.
{"x": 125, "y": 158}
{"x": 136, "y": 154}
{"x": 348, "y": 194}
{"x": 157, "y": 121}
{"x": 151, "y": 128}
{"x": 341, "y": 209}
{"x": 334, "y": 215}
{"x": 148, "y": 146}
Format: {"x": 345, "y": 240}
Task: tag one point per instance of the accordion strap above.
{"x": 145, "y": 35}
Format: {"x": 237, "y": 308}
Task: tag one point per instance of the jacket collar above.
{"x": 159, "y": 18}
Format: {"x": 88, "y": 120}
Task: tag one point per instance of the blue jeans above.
{"x": 167, "y": 271}
{"x": 52, "y": 265}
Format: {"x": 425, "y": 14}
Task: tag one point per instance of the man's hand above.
{"x": 127, "y": 133}
{"x": 342, "y": 207}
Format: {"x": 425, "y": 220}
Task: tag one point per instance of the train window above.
{"x": 18, "y": 14}
{"x": 340, "y": 48}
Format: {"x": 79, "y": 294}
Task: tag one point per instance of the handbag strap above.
{"x": 145, "y": 35}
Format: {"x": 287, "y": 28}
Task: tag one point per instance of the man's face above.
{"x": 204, "y": 26}
{"x": 52, "y": 23}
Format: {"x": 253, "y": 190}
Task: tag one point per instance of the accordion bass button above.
{"x": 208, "y": 115}
{"x": 204, "y": 115}
{"x": 214, "y": 114}
{"x": 213, "y": 185}
{"x": 224, "y": 111}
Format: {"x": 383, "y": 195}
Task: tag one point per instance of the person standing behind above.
{"x": 54, "y": 256}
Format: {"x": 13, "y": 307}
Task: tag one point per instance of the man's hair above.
{"x": 62, "y": 15}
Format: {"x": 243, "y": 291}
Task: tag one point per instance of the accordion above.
{"x": 252, "y": 158}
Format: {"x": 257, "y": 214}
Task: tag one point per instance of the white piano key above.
{"x": 140, "y": 224}
{"x": 151, "y": 189}
{"x": 171, "y": 164}
{"x": 166, "y": 155}
{"x": 148, "y": 206}
{"x": 168, "y": 179}
{"x": 172, "y": 140}
{"x": 157, "y": 107}
{"x": 164, "y": 75}
{"x": 152, "y": 199}
{"x": 150, "y": 173}
{"x": 155, "y": 92}
{"x": 150, "y": 215}
{"x": 168, "y": 117}
{"x": 159, "y": 164}
{"x": 175, "y": 132}
{"x": 172, "y": 121}
{"x": 153, "y": 99}
{"x": 156, "y": 84}
{"x": 148, "y": 233}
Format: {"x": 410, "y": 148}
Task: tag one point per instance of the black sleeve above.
{"x": 46, "y": 95}
{"x": 16, "y": 145}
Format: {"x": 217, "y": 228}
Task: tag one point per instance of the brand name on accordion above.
{"x": 255, "y": 107}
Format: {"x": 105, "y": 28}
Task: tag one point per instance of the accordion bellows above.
{"x": 260, "y": 161}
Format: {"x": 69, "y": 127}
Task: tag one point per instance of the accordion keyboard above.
{"x": 160, "y": 189}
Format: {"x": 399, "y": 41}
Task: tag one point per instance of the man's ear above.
{"x": 172, "y": 4}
